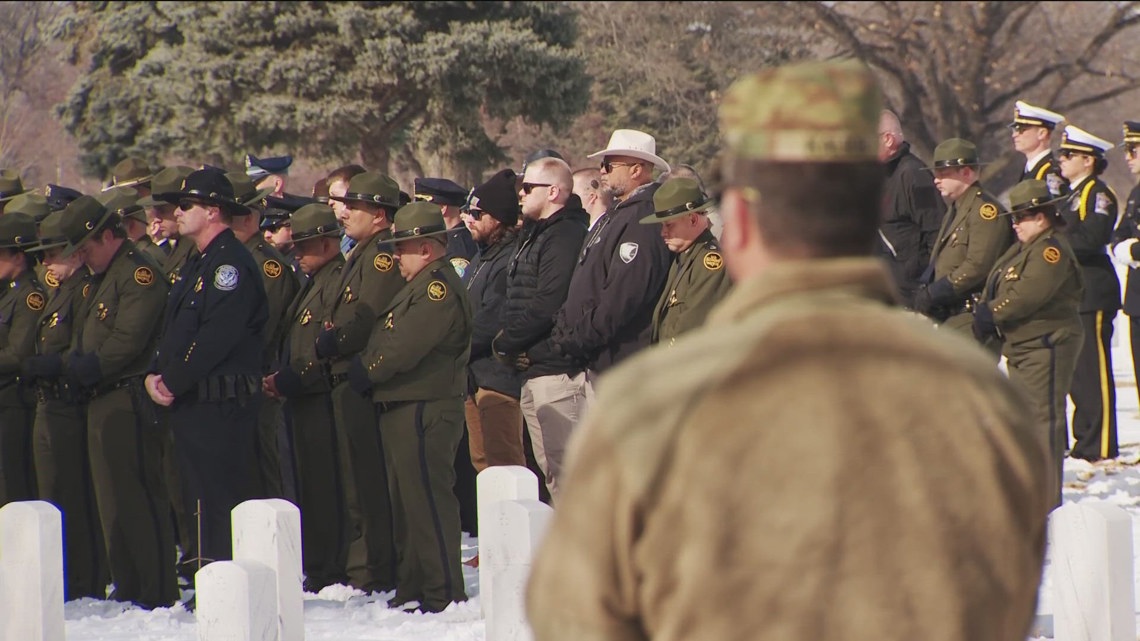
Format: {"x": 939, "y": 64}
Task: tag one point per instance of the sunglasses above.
{"x": 476, "y": 214}
{"x": 608, "y": 165}
{"x": 187, "y": 205}
{"x": 1066, "y": 154}
{"x": 529, "y": 187}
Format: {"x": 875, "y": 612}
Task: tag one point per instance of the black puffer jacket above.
{"x": 538, "y": 278}
{"x": 486, "y": 281}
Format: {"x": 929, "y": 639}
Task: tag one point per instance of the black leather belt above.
{"x": 388, "y": 406}
{"x": 239, "y": 387}
{"x": 119, "y": 384}
{"x": 57, "y": 391}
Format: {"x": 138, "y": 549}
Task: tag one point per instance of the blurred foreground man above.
{"x": 811, "y": 345}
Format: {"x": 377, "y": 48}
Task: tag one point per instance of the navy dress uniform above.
{"x": 369, "y": 281}
{"x": 1125, "y": 248}
{"x": 210, "y": 358}
{"x": 1031, "y": 299}
{"x": 21, "y": 303}
{"x": 59, "y": 433}
{"x": 461, "y": 247}
{"x": 107, "y": 360}
{"x": 1042, "y": 167}
{"x": 1091, "y": 216}
{"x": 415, "y": 370}
{"x": 697, "y": 278}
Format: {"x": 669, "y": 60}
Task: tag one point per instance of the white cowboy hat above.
{"x": 635, "y": 144}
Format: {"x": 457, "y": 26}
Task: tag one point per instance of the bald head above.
{"x": 890, "y": 134}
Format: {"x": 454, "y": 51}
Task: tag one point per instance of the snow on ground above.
{"x": 343, "y": 614}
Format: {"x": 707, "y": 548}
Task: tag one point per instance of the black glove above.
{"x": 326, "y": 344}
{"x": 41, "y": 366}
{"x": 358, "y": 377}
{"x": 288, "y": 382}
{"x": 84, "y": 369}
{"x": 522, "y": 363}
{"x": 937, "y": 294}
{"x": 984, "y": 326}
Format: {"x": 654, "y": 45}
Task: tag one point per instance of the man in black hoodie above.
{"x": 538, "y": 277}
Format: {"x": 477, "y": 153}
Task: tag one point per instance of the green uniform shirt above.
{"x": 369, "y": 281}
{"x": 123, "y": 316}
{"x": 304, "y": 324}
{"x": 1035, "y": 288}
{"x": 58, "y": 319}
{"x": 697, "y": 280}
{"x": 419, "y": 349}
{"x": 972, "y": 237}
{"x": 281, "y": 287}
{"x": 20, "y": 308}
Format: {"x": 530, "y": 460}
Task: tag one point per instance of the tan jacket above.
{"x": 813, "y": 463}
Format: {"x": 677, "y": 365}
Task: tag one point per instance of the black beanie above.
{"x": 498, "y": 197}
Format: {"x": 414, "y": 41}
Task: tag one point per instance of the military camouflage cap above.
{"x": 313, "y": 221}
{"x": 10, "y": 185}
{"x": 804, "y": 112}
{"x": 123, "y": 202}
{"x": 371, "y": 188}
{"x": 51, "y": 233}
{"x": 417, "y": 220}
{"x": 1031, "y": 194}
{"x": 955, "y": 152}
{"x": 29, "y": 203}
{"x": 130, "y": 172}
{"x": 165, "y": 181}
{"x": 17, "y": 231}
{"x": 676, "y": 197}
{"x": 245, "y": 192}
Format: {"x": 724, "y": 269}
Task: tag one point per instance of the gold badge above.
{"x": 988, "y": 211}
{"x": 144, "y": 276}
{"x": 50, "y": 280}
{"x": 306, "y": 316}
{"x": 1052, "y": 255}
{"x": 388, "y": 322}
{"x": 713, "y": 261}
{"x": 54, "y": 320}
{"x": 437, "y": 290}
{"x": 86, "y": 289}
{"x": 101, "y": 311}
{"x": 172, "y": 277}
{"x": 198, "y": 285}
{"x": 382, "y": 262}
{"x": 35, "y": 301}
{"x": 272, "y": 268}
{"x": 348, "y": 297}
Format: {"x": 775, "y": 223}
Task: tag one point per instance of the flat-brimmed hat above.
{"x": 314, "y": 221}
{"x": 634, "y": 144}
{"x": 373, "y": 189}
{"x": 440, "y": 191}
{"x": 51, "y": 233}
{"x": 10, "y": 185}
{"x": 209, "y": 186}
{"x": 81, "y": 219}
{"x": 17, "y": 231}
{"x": 1031, "y": 194}
{"x": 169, "y": 179}
{"x": 418, "y": 220}
{"x": 123, "y": 202}
{"x": 675, "y": 198}
{"x": 245, "y": 192}
{"x": 29, "y": 203}
{"x": 955, "y": 152}
{"x": 498, "y": 198}
{"x": 130, "y": 172}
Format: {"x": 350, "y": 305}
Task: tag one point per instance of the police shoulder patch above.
{"x": 35, "y": 301}
{"x": 144, "y": 276}
{"x": 1102, "y": 203}
{"x": 713, "y": 261}
{"x": 988, "y": 211}
{"x": 50, "y": 280}
{"x": 460, "y": 265}
{"x": 1052, "y": 255}
{"x": 226, "y": 278}
{"x": 383, "y": 262}
{"x": 272, "y": 268}
{"x": 437, "y": 290}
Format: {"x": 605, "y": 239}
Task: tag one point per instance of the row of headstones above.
{"x": 258, "y": 596}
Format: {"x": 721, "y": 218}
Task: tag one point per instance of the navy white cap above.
{"x": 1027, "y": 114}
{"x": 258, "y": 168}
{"x": 1079, "y": 140}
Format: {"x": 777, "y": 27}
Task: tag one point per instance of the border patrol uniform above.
{"x": 415, "y": 370}
{"x": 697, "y": 278}
{"x": 1092, "y": 215}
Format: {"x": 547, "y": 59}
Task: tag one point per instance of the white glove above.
{"x": 1122, "y": 252}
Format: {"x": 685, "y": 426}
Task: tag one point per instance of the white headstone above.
{"x": 31, "y": 572}
{"x": 494, "y": 484}
{"x": 236, "y": 601}
{"x": 268, "y": 531}
{"x": 516, "y": 529}
{"x": 1091, "y": 547}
